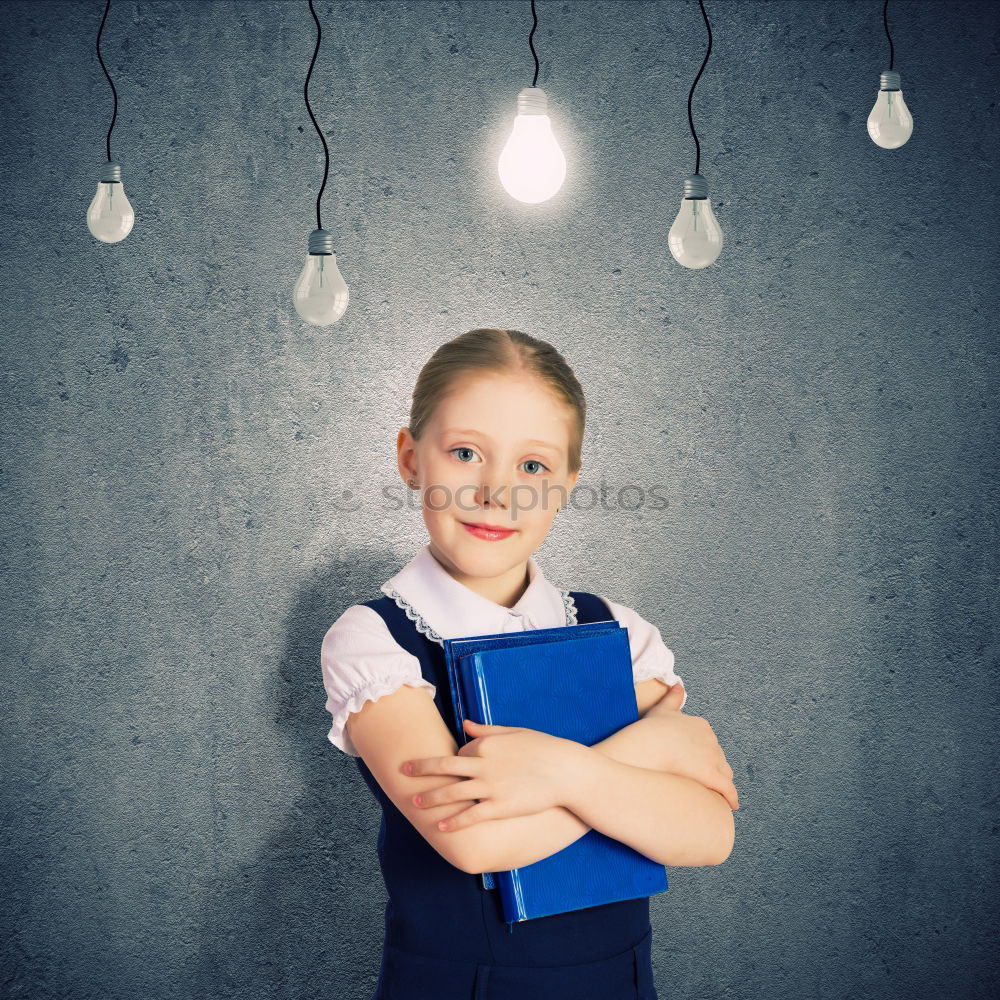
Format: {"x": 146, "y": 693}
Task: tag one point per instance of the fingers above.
{"x": 457, "y": 791}
{"x": 732, "y": 796}
{"x": 728, "y": 791}
{"x": 461, "y": 766}
{"x": 722, "y": 765}
{"x": 674, "y": 696}
{"x": 466, "y": 818}
{"x": 670, "y": 702}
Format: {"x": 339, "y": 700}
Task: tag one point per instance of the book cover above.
{"x": 574, "y": 682}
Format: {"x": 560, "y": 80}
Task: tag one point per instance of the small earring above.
{"x": 410, "y": 483}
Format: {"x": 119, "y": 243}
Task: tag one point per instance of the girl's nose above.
{"x": 493, "y": 492}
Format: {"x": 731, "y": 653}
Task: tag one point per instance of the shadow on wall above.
{"x": 304, "y": 917}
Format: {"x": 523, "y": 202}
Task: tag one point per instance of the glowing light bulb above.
{"x": 321, "y": 294}
{"x": 532, "y": 166}
{"x": 110, "y": 216}
{"x": 695, "y": 238}
{"x": 890, "y": 123}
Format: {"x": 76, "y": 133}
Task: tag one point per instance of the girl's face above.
{"x": 495, "y": 452}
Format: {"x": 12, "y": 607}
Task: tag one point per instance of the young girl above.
{"x": 493, "y": 446}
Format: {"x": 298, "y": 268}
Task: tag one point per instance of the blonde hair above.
{"x": 505, "y": 352}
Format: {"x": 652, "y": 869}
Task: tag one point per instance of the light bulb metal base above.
{"x": 321, "y": 242}
{"x": 532, "y": 101}
{"x": 111, "y": 172}
{"x": 889, "y": 80}
{"x": 695, "y": 187}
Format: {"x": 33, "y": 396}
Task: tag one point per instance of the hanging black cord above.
{"x": 697, "y": 145}
{"x": 105, "y": 68}
{"x": 885, "y": 21}
{"x": 326, "y": 152}
{"x": 534, "y": 24}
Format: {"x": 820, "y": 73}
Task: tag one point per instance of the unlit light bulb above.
{"x": 532, "y": 166}
{"x": 110, "y": 216}
{"x": 321, "y": 293}
{"x": 695, "y": 238}
{"x": 890, "y": 123}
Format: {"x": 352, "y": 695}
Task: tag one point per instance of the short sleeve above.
{"x": 650, "y": 656}
{"x": 361, "y": 661}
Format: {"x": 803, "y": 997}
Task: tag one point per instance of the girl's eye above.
{"x": 466, "y": 454}
{"x": 534, "y": 461}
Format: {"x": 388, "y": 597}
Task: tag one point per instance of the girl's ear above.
{"x": 406, "y": 454}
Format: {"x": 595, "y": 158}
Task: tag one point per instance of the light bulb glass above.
{"x": 890, "y": 123}
{"x": 695, "y": 238}
{"x": 532, "y": 167}
{"x": 110, "y": 216}
{"x": 321, "y": 293}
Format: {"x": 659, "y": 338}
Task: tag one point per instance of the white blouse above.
{"x": 361, "y": 661}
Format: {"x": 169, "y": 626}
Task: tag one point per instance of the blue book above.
{"x": 575, "y": 682}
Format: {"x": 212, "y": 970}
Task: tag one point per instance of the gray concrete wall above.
{"x": 192, "y": 477}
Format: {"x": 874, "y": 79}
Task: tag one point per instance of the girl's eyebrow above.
{"x": 555, "y": 449}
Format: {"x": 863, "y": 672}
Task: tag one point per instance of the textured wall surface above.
{"x": 192, "y": 477}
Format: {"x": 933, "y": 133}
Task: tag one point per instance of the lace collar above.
{"x": 442, "y": 608}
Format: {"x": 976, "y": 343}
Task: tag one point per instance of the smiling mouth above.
{"x": 487, "y": 532}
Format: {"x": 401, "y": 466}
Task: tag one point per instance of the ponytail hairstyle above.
{"x": 502, "y": 352}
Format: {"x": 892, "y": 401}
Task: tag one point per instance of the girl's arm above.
{"x": 406, "y": 725}
{"x": 666, "y": 817}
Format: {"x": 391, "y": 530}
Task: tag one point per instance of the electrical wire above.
{"x": 885, "y": 21}
{"x": 108, "y": 75}
{"x": 326, "y": 151}
{"x": 534, "y": 25}
{"x": 697, "y": 145}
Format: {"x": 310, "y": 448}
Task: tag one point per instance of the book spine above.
{"x": 456, "y": 693}
{"x": 486, "y": 878}
{"x": 509, "y": 882}
{"x": 482, "y": 695}
{"x": 511, "y": 896}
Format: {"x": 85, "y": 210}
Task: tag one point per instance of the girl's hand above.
{"x": 511, "y": 772}
{"x": 692, "y": 748}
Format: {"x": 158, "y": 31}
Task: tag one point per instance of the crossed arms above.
{"x": 620, "y": 786}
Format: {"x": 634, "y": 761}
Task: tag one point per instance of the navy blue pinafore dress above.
{"x": 445, "y": 935}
